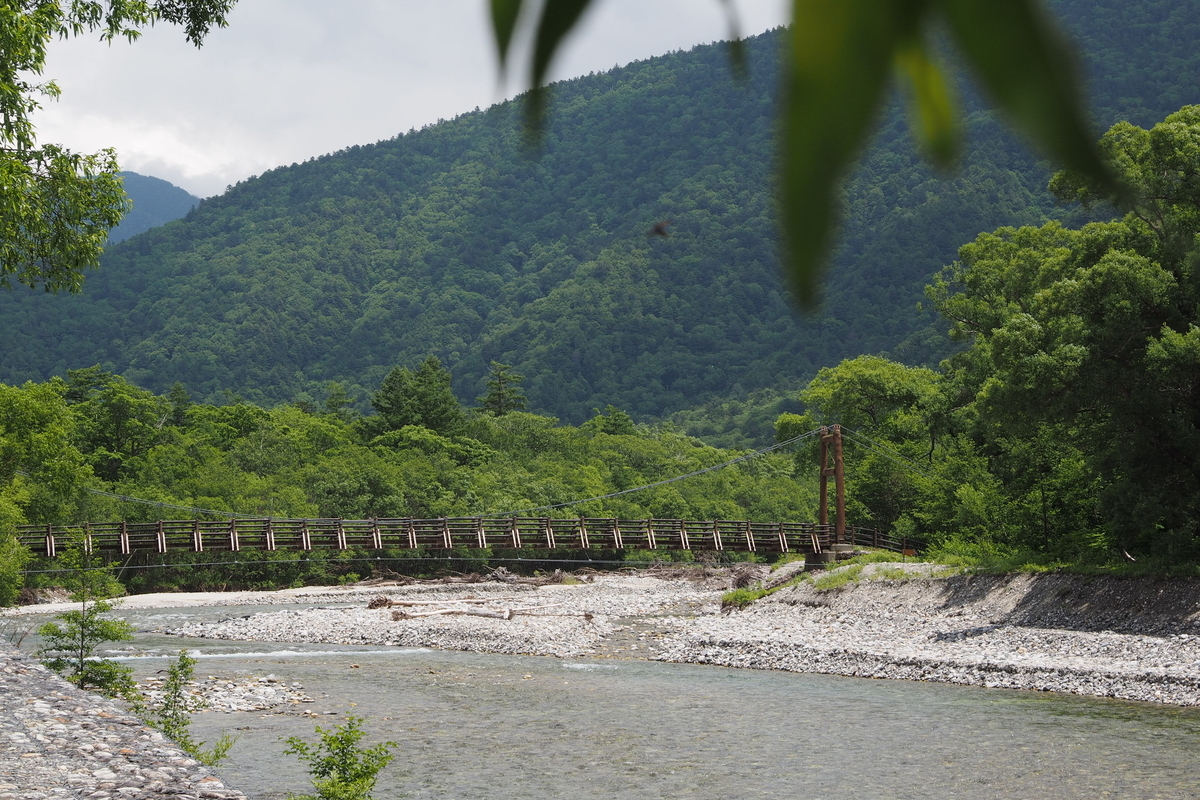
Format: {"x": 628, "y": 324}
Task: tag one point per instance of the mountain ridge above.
{"x": 448, "y": 241}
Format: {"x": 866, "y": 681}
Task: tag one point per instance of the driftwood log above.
{"x": 450, "y": 608}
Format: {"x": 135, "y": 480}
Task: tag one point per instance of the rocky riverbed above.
{"x": 1135, "y": 639}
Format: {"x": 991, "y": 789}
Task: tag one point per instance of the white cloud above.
{"x": 292, "y": 79}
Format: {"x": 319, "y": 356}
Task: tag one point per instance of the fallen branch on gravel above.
{"x": 506, "y": 613}
{"x": 386, "y": 602}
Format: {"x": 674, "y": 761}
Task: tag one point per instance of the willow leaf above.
{"x": 1028, "y": 69}
{"x": 504, "y": 22}
{"x": 557, "y": 20}
{"x": 841, "y": 53}
{"x": 934, "y": 111}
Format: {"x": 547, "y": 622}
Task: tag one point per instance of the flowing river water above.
{"x": 472, "y": 725}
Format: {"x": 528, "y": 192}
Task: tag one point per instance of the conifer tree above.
{"x": 503, "y": 394}
{"x": 422, "y": 397}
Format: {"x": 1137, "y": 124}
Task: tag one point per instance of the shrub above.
{"x": 71, "y": 643}
{"x": 173, "y": 715}
{"x": 339, "y": 768}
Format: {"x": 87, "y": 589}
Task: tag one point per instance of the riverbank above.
{"x": 1133, "y": 639}
{"x": 57, "y": 741}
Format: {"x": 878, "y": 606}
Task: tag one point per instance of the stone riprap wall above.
{"x": 57, "y": 741}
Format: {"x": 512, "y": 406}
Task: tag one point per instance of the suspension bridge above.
{"x": 515, "y": 530}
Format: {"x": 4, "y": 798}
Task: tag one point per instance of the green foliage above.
{"x": 1084, "y": 346}
{"x": 869, "y": 392}
{"x": 41, "y": 471}
{"x": 421, "y": 398}
{"x": 173, "y": 715}
{"x": 71, "y": 643}
{"x": 56, "y": 207}
{"x": 837, "y": 578}
{"x": 71, "y": 647}
{"x": 13, "y": 558}
{"x": 1067, "y": 431}
{"x": 612, "y": 421}
{"x": 891, "y": 574}
{"x": 116, "y": 421}
{"x": 987, "y": 557}
{"x": 503, "y": 393}
{"x": 285, "y": 462}
{"x": 740, "y": 598}
{"x": 450, "y": 241}
{"x": 13, "y": 555}
{"x": 339, "y": 767}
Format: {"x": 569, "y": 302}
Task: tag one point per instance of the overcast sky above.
{"x": 292, "y": 79}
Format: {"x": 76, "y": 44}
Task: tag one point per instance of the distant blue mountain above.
{"x": 155, "y": 202}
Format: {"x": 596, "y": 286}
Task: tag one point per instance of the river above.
{"x": 471, "y": 725}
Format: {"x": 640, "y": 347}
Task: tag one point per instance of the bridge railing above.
{"x": 444, "y": 533}
{"x": 883, "y": 540}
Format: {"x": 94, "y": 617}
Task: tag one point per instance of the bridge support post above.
{"x": 823, "y": 505}
{"x": 831, "y": 439}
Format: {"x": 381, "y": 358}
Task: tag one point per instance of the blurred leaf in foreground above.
{"x": 842, "y": 53}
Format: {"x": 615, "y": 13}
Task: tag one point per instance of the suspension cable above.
{"x": 891, "y": 454}
{"x": 722, "y": 465}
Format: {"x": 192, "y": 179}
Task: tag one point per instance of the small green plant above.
{"x": 71, "y": 643}
{"x": 173, "y": 715}
{"x": 890, "y": 574}
{"x": 837, "y": 578}
{"x": 992, "y": 558}
{"x": 740, "y": 598}
{"x": 339, "y": 768}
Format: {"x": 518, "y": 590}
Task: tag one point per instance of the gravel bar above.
{"x": 1134, "y": 639}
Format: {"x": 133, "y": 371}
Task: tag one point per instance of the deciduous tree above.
{"x": 1091, "y": 336}
{"x": 56, "y": 206}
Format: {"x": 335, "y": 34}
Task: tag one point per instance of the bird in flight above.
{"x": 660, "y": 229}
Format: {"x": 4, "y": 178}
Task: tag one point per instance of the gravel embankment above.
{"x": 556, "y": 620}
{"x": 1134, "y": 639}
{"x": 59, "y": 742}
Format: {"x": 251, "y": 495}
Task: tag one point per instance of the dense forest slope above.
{"x": 452, "y": 241}
{"x": 155, "y": 202}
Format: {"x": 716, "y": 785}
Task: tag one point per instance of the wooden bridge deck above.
{"x": 447, "y": 533}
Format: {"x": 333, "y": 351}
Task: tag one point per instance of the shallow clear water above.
{"x": 484, "y": 726}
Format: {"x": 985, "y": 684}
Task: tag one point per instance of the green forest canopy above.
{"x": 450, "y": 242}
{"x": 1070, "y": 425}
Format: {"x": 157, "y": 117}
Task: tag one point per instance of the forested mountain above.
{"x": 454, "y": 241}
{"x": 155, "y": 202}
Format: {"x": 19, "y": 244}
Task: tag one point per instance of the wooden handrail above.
{"x": 450, "y": 532}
